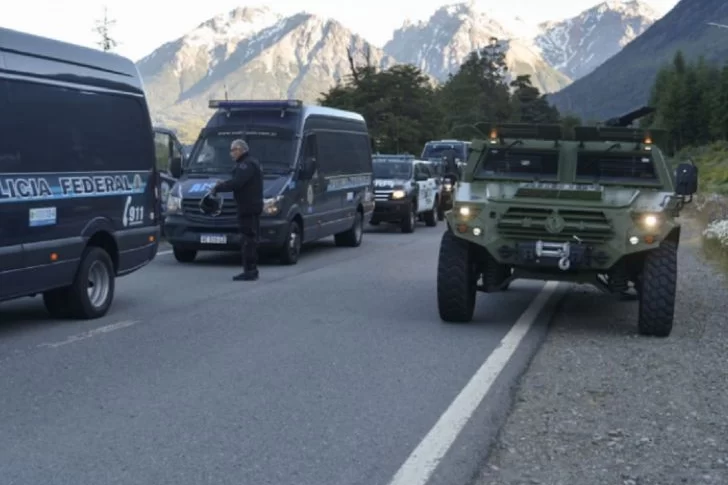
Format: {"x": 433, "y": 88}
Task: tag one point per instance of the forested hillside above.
{"x": 624, "y": 81}
{"x": 691, "y": 101}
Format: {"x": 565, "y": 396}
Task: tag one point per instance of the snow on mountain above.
{"x": 578, "y": 45}
{"x": 439, "y": 45}
{"x": 251, "y": 53}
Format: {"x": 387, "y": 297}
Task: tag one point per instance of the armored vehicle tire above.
{"x": 184, "y": 255}
{"x": 658, "y": 283}
{"x": 352, "y": 238}
{"x": 456, "y": 280}
{"x": 409, "y": 223}
{"x": 291, "y": 250}
{"x": 92, "y": 291}
{"x": 431, "y": 215}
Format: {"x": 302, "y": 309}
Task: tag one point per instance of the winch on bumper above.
{"x": 551, "y": 255}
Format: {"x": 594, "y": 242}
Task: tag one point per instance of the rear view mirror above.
{"x": 686, "y": 179}
{"x": 175, "y": 167}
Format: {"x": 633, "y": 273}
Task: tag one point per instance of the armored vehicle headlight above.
{"x": 464, "y": 211}
{"x": 399, "y": 194}
{"x": 650, "y": 221}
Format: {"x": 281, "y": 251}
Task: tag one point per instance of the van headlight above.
{"x": 272, "y": 206}
{"x": 399, "y": 194}
{"x": 174, "y": 200}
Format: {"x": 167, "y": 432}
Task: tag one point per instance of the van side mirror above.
{"x": 175, "y": 167}
{"x": 686, "y": 179}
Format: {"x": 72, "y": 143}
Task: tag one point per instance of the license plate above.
{"x": 213, "y": 239}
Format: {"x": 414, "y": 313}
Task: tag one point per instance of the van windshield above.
{"x": 392, "y": 170}
{"x": 439, "y": 150}
{"x": 274, "y": 148}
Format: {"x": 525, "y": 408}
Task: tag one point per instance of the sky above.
{"x": 141, "y": 27}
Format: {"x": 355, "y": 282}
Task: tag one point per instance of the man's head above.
{"x": 238, "y": 148}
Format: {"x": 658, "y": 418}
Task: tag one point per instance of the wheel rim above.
{"x": 99, "y": 282}
{"x": 294, "y": 241}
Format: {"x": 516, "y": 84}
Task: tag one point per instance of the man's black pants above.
{"x": 249, "y": 231}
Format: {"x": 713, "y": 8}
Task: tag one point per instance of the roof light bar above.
{"x": 254, "y": 104}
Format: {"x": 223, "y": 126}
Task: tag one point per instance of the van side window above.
{"x": 9, "y": 156}
{"x": 361, "y": 154}
{"x": 62, "y": 129}
{"x": 161, "y": 151}
{"x": 331, "y": 149}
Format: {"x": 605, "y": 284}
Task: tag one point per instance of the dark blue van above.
{"x": 317, "y": 167}
{"x": 79, "y": 189}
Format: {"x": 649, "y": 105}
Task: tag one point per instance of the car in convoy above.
{"x": 79, "y": 189}
{"x": 405, "y": 191}
{"x": 439, "y": 149}
{"x": 317, "y": 169}
{"x": 445, "y": 185}
{"x": 600, "y": 207}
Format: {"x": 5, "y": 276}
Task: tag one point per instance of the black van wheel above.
{"x": 352, "y": 238}
{"x": 291, "y": 250}
{"x": 409, "y": 223}
{"x": 184, "y": 255}
{"x": 92, "y": 291}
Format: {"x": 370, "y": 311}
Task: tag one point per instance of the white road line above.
{"x": 162, "y": 253}
{"x": 92, "y": 333}
{"x": 422, "y": 462}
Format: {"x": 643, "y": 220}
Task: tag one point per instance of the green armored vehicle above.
{"x": 598, "y": 208}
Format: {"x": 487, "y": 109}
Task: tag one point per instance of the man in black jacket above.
{"x": 246, "y": 185}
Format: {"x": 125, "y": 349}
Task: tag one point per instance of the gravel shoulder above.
{"x": 601, "y": 405}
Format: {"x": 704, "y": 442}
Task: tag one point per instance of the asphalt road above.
{"x": 330, "y": 372}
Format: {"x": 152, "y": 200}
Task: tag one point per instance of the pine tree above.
{"x": 103, "y": 29}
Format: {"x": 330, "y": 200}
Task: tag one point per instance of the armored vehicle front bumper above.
{"x": 567, "y": 239}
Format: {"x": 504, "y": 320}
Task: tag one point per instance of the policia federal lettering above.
{"x": 25, "y": 187}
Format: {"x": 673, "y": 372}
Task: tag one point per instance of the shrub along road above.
{"x": 328, "y": 372}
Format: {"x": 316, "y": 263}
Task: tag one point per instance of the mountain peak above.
{"x": 628, "y": 8}
{"x": 232, "y": 27}
{"x": 576, "y": 46}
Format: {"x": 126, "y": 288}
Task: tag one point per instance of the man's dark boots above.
{"x": 247, "y": 275}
